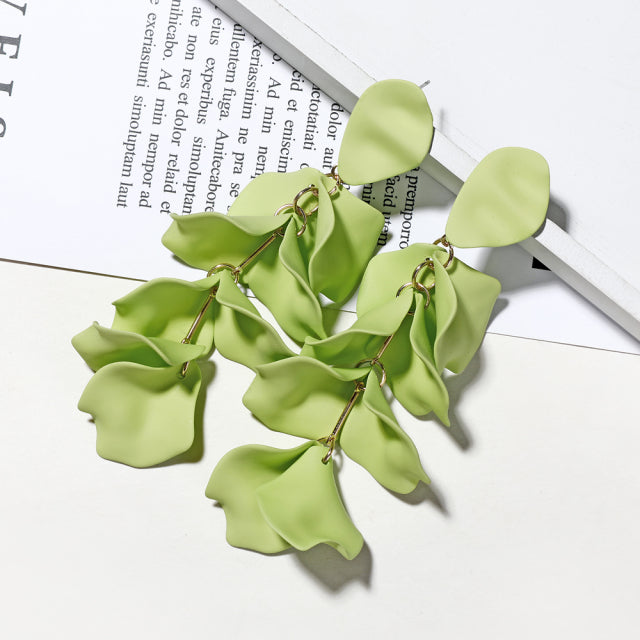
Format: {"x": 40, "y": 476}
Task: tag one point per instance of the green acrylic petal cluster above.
{"x": 275, "y": 499}
{"x": 289, "y": 239}
{"x": 141, "y": 401}
{"x": 327, "y": 255}
{"x": 304, "y": 397}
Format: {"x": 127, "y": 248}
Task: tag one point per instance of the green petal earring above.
{"x": 420, "y": 311}
{"x": 290, "y": 238}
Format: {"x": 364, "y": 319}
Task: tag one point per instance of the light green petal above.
{"x": 504, "y": 200}
{"x": 240, "y": 333}
{"x": 234, "y": 483}
{"x": 301, "y": 396}
{"x": 276, "y": 281}
{"x": 389, "y": 132}
{"x": 204, "y": 240}
{"x": 364, "y": 338}
{"x": 387, "y": 272}
{"x": 346, "y": 237}
{"x": 372, "y": 437}
{"x": 143, "y": 415}
{"x": 457, "y": 341}
{"x": 434, "y": 391}
{"x": 100, "y": 346}
{"x": 166, "y": 308}
{"x": 411, "y": 375}
{"x": 304, "y": 507}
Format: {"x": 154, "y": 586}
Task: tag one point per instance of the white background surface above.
{"x": 531, "y": 529}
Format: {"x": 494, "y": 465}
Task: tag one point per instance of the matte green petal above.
{"x": 387, "y": 272}
{"x": 277, "y": 282}
{"x": 240, "y": 333}
{"x": 100, "y": 346}
{"x": 347, "y": 235}
{"x": 143, "y": 415}
{"x": 456, "y": 342}
{"x": 389, "y": 132}
{"x": 166, "y": 308}
{"x": 372, "y": 437}
{"x": 234, "y": 483}
{"x": 204, "y": 240}
{"x": 364, "y": 338}
{"x": 504, "y": 200}
{"x": 411, "y": 375}
{"x": 304, "y": 507}
{"x": 301, "y": 396}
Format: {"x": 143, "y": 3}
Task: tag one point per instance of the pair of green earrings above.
{"x": 290, "y": 238}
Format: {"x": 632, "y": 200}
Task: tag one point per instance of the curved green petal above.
{"x": 276, "y": 281}
{"x": 304, "y": 507}
{"x": 364, "y": 338}
{"x": 166, "y": 308}
{"x": 100, "y": 346}
{"x": 204, "y": 240}
{"x": 372, "y": 437}
{"x": 234, "y": 483}
{"x": 411, "y": 374}
{"x": 346, "y": 237}
{"x": 301, "y": 396}
{"x": 504, "y": 200}
{"x": 240, "y": 332}
{"x": 143, "y": 415}
{"x": 458, "y": 340}
{"x": 389, "y": 132}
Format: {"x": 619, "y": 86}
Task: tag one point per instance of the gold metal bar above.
{"x": 331, "y": 439}
{"x": 198, "y": 320}
{"x": 196, "y": 324}
{"x": 384, "y": 346}
{"x": 257, "y": 252}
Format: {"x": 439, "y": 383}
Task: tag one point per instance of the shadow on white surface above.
{"x": 333, "y": 572}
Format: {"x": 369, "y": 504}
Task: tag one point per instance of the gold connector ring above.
{"x": 417, "y": 286}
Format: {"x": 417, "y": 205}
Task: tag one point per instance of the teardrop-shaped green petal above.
{"x": 234, "y": 483}
{"x": 388, "y": 133}
{"x": 143, "y": 415}
{"x": 100, "y": 346}
{"x": 204, "y": 240}
{"x": 304, "y": 507}
{"x": 372, "y": 437}
{"x": 504, "y": 200}
{"x": 240, "y": 333}
{"x": 166, "y": 308}
{"x": 301, "y": 396}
